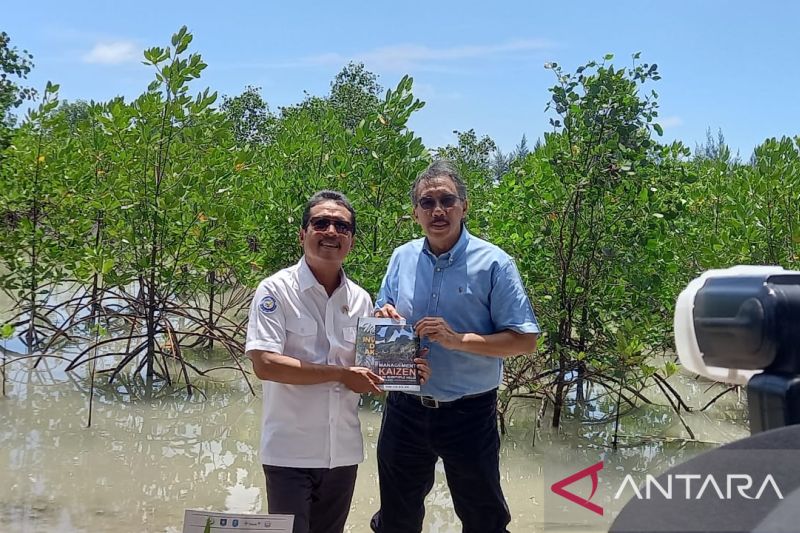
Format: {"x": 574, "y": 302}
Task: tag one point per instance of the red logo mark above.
{"x": 558, "y": 487}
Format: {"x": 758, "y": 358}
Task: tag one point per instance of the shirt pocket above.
{"x": 349, "y": 334}
{"x": 473, "y": 296}
{"x": 302, "y": 326}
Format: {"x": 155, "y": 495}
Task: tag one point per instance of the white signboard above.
{"x": 195, "y": 522}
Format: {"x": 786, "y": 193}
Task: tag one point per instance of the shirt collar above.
{"x": 453, "y": 253}
{"x": 307, "y": 280}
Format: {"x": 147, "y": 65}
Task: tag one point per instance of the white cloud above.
{"x": 408, "y": 57}
{"x": 423, "y": 53}
{"x": 671, "y": 122}
{"x": 405, "y": 57}
{"x": 112, "y": 53}
{"x": 427, "y": 92}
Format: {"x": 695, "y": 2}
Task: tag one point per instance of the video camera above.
{"x": 737, "y": 325}
{"x": 742, "y": 325}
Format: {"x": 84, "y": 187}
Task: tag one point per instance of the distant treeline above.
{"x": 164, "y": 211}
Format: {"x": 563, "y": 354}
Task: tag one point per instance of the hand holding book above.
{"x": 439, "y": 331}
{"x": 390, "y": 349}
{"x": 361, "y": 379}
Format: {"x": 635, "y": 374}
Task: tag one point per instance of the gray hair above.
{"x": 437, "y": 169}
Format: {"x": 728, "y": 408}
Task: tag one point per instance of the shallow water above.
{"x": 146, "y": 459}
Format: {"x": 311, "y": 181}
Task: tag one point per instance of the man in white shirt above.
{"x": 301, "y": 339}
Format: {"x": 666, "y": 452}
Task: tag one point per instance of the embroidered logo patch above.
{"x": 268, "y": 304}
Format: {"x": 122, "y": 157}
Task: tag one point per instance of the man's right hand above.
{"x": 388, "y": 311}
{"x": 360, "y": 379}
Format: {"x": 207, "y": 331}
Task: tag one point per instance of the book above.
{"x": 388, "y": 348}
{"x": 199, "y": 521}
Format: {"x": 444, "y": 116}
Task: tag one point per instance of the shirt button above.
{"x": 434, "y": 296}
{"x": 438, "y": 270}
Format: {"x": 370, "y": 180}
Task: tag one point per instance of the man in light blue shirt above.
{"x": 469, "y": 307}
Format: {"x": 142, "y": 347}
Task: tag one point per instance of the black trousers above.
{"x": 464, "y": 434}
{"x": 319, "y": 498}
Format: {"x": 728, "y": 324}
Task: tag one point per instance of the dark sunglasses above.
{"x": 428, "y": 203}
{"x": 322, "y": 224}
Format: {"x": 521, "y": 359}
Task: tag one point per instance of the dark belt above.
{"x": 433, "y": 403}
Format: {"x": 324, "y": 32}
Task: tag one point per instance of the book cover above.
{"x": 388, "y": 348}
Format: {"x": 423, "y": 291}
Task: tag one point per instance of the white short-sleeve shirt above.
{"x": 308, "y": 426}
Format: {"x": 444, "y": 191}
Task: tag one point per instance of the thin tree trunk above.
{"x": 212, "y": 280}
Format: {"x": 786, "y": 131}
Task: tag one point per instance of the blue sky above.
{"x": 729, "y": 65}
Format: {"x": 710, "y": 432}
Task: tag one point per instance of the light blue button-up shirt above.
{"x": 476, "y": 288}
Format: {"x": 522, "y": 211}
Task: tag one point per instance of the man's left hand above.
{"x": 438, "y": 330}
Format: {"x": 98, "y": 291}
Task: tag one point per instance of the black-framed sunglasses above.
{"x": 428, "y": 203}
{"x": 323, "y": 223}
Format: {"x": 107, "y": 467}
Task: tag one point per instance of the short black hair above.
{"x": 437, "y": 169}
{"x": 329, "y": 196}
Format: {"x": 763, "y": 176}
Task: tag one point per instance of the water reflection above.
{"x": 151, "y": 454}
{"x": 141, "y": 462}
